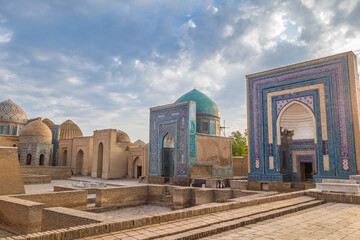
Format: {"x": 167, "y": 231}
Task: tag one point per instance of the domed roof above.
{"x": 69, "y": 129}
{"x": 140, "y": 142}
{"x": 11, "y": 112}
{"x": 203, "y": 103}
{"x": 122, "y": 137}
{"x": 48, "y": 122}
{"x": 36, "y": 128}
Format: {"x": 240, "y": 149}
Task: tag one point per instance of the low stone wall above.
{"x": 240, "y": 166}
{"x": 59, "y": 217}
{"x": 269, "y": 186}
{"x": 68, "y": 188}
{"x": 113, "y": 226}
{"x": 35, "y": 179}
{"x": 20, "y": 216}
{"x": 335, "y": 197}
{"x": 121, "y": 196}
{"x": 70, "y": 199}
{"x": 55, "y": 172}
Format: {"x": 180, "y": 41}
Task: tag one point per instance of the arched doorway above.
{"x": 167, "y": 153}
{"x": 137, "y": 167}
{"x": 79, "y": 162}
{"x": 41, "y": 159}
{"x": 64, "y": 161}
{"x": 296, "y": 125}
{"x": 100, "y": 160}
{"x": 28, "y": 159}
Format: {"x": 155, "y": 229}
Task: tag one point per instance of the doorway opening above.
{"x": 306, "y": 171}
{"x": 139, "y": 171}
{"x": 42, "y": 160}
{"x": 167, "y": 153}
{"x": 79, "y": 162}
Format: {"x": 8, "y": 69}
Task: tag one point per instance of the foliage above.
{"x": 239, "y": 143}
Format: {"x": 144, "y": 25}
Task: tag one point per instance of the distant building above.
{"x": 185, "y": 142}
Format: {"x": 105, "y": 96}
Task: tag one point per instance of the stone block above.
{"x": 355, "y": 178}
{"x": 20, "y": 216}
{"x": 212, "y": 182}
{"x": 182, "y": 196}
{"x": 222, "y": 195}
{"x": 338, "y": 187}
{"x": 238, "y": 184}
{"x": 204, "y": 195}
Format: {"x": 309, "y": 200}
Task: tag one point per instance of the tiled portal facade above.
{"x": 328, "y": 90}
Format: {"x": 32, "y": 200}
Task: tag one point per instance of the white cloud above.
{"x": 191, "y": 24}
{"x": 5, "y": 37}
{"x": 75, "y": 81}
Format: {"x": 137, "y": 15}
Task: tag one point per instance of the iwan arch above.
{"x": 303, "y": 121}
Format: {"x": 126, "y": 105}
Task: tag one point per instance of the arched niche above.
{"x": 299, "y": 118}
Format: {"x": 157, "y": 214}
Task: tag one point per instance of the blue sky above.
{"x": 103, "y": 64}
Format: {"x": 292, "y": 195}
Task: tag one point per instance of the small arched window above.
{"x": 28, "y": 159}
{"x": 41, "y": 160}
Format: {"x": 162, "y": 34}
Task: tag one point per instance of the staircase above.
{"x": 214, "y": 223}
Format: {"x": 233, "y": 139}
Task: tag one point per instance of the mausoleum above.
{"x": 185, "y": 141}
{"x": 303, "y": 121}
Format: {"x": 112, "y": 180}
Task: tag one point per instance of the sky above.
{"x": 103, "y": 64}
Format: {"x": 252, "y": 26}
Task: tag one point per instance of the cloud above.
{"x": 104, "y": 65}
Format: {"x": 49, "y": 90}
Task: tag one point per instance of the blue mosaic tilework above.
{"x": 333, "y": 75}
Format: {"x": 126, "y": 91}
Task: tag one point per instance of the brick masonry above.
{"x": 10, "y": 172}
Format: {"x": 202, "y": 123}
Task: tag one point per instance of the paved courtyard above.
{"x": 132, "y": 212}
{"x": 331, "y": 221}
{"x": 49, "y": 187}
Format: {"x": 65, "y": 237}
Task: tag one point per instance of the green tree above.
{"x": 239, "y": 143}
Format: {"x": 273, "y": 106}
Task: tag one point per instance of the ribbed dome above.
{"x": 69, "y": 129}
{"x": 122, "y": 137}
{"x": 48, "y": 122}
{"x": 140, "y": 142}
{"x": 299, "y": 119}
{"x": 203, "y": 103}
{"x": 11, "y": 112}
{"x": 36, "y": 128}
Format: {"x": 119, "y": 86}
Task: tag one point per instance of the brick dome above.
{"x": 122, "y": 137}
{"x": 36, "y": 128}
{"x": 69, "y": 129}
{"x": 48, "y": 122}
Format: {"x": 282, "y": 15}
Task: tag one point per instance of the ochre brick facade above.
{"x": 10, "y": 172}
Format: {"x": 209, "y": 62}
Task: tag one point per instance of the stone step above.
{"x": 229, "y": 225}
{"x": 183, "y": 226}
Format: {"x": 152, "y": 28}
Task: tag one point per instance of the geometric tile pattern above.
{"x": 332, "y": 74}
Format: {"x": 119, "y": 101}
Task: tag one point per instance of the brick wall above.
{"x": 10, "y": 176}
{"x": 20, "y": 216}
{"x": 56, "y": 172}
{"x": 121, "y": 196}
{"x": 9, "y": 141}
{"x": 240, "y": 166}
{"x": 59, "y": 217}
{"x": 70, "y": 199}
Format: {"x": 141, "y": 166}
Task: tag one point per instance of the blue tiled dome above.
{"x": 203, "y": 103}
{"x": 11, "y": 112}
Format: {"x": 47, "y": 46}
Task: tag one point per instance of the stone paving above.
{"x": 49, "y": 187}
{"x": 132, "y": 212}
{"x": 331, "y": 221}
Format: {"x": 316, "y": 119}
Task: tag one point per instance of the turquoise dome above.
{"x": 11, "y": 112}
{"x": 203, "y": 103}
